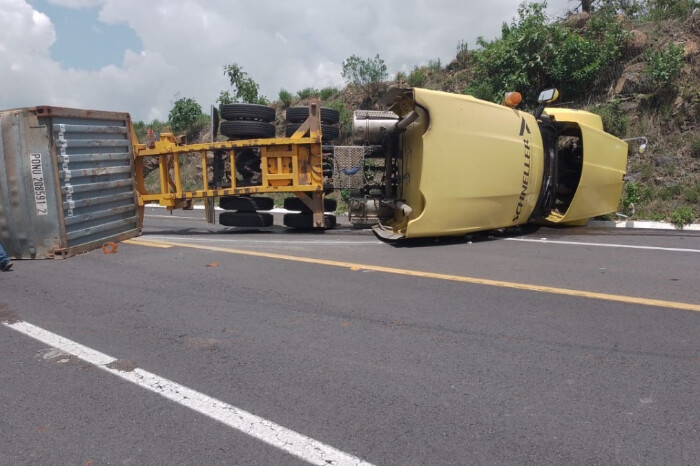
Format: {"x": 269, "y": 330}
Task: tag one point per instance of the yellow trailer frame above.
{"x": 293, "y": 165}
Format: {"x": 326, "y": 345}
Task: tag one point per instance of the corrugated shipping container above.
{"x": 66, "y": 181}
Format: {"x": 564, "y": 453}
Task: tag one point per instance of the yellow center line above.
{"x": 141, "y": 242}
{"x": 433, "y": 275}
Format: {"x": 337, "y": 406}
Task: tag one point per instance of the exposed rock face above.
{"x": 690, "y": 49}
{"x": 692, "y": 25}
{"x": 578, "y": 20}
{"x": 637, "y": 41}
{"x": 149, "y": 164}
{"x": 634, "y": 81}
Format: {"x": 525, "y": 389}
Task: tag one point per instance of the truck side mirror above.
{"x": 548, "y": 96}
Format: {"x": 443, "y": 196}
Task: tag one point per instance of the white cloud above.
{"x": 77, "y": 4}
{"x": 291, "y": 45}
{"x": 24, "y": 30}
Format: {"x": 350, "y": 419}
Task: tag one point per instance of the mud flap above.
{"x": 387, "y": 233}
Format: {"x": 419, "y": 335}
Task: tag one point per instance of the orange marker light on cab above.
{"x": 512, "y": 99}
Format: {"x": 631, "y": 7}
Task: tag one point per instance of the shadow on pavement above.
{"x": 479, "y": 237}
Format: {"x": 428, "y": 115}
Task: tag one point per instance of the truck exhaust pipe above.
{"x": 405, "y": 123}
{"x": 405, "y": 209}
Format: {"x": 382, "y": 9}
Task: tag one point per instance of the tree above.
{"x": 587, "y": 5}
{"x": 245, "y": 89}
{"x": 367, "y": 74}
{"x": 186, "y": 117}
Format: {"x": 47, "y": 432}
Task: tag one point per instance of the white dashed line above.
{"x": 601, "y": 245}
{"x": 292, "y": 442}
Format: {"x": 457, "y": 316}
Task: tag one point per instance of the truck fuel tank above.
{"x": 368, "y": 211}
{"x": 370, "y": 126}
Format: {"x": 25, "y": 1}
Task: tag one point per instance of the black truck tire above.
{"x": 247, "y": 112}
{"x": 329, "y": 116}
{"x": 305, "y": 221}
{"x": 330, "y": 133}
{"x": 245, "y": 203}
{"x": 294, "y": 203}
{"x": 245, "y": 219}
{"x": 247, "y": 129}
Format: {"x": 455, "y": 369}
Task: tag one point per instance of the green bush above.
{"x": 140, "y": 130}
{"x": 630, "y": 195}
{"x": 308, "y": 93}
{"x": 664, "y": 66}
{"x": 682, "y": 216}
{"x": 607, "y": 32}
{"x": 435, "y": 65}
{"x": 654, "y": 10}
{"x": 481, "y": 89}
{"x": 580, "y": 59}
{"x": 656, "y": 216}
{"x": 630, "y": 8}
{"x": 462, "y": 57}
{"x": 576, "y": 64}
{"x": 328, "y": 93}
{"x": 417, "y": 78}
{"x": 186, "y": 117}
{"x": 670, "y": 192}
{"x": 516, "y": 60}
{"x": 533, "y": 53}
{"x": 692, "y": 194}
{"x": 615, "y": 120}
{"x": 668, "y": 9}
{"x": 285, "y": 97}
{"x": 695, "y": 148}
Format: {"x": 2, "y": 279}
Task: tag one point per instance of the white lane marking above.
{"x": 194, "y": 219}
{"x": 275, "y": 210}
{"x": 601, "y": 245}
{"x": 262, "y": 241}
{"x": 292, "y": 442}
{"x": 177, "y": 217}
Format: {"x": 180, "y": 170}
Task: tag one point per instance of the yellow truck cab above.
{"x": 454, "y": 164}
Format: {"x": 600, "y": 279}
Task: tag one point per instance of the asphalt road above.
{"x": 541, "y": 346}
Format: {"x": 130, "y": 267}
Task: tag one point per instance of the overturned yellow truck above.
{"x": 445, "y": 164}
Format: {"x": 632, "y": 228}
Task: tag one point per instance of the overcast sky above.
{"x": 140, "y": 56}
